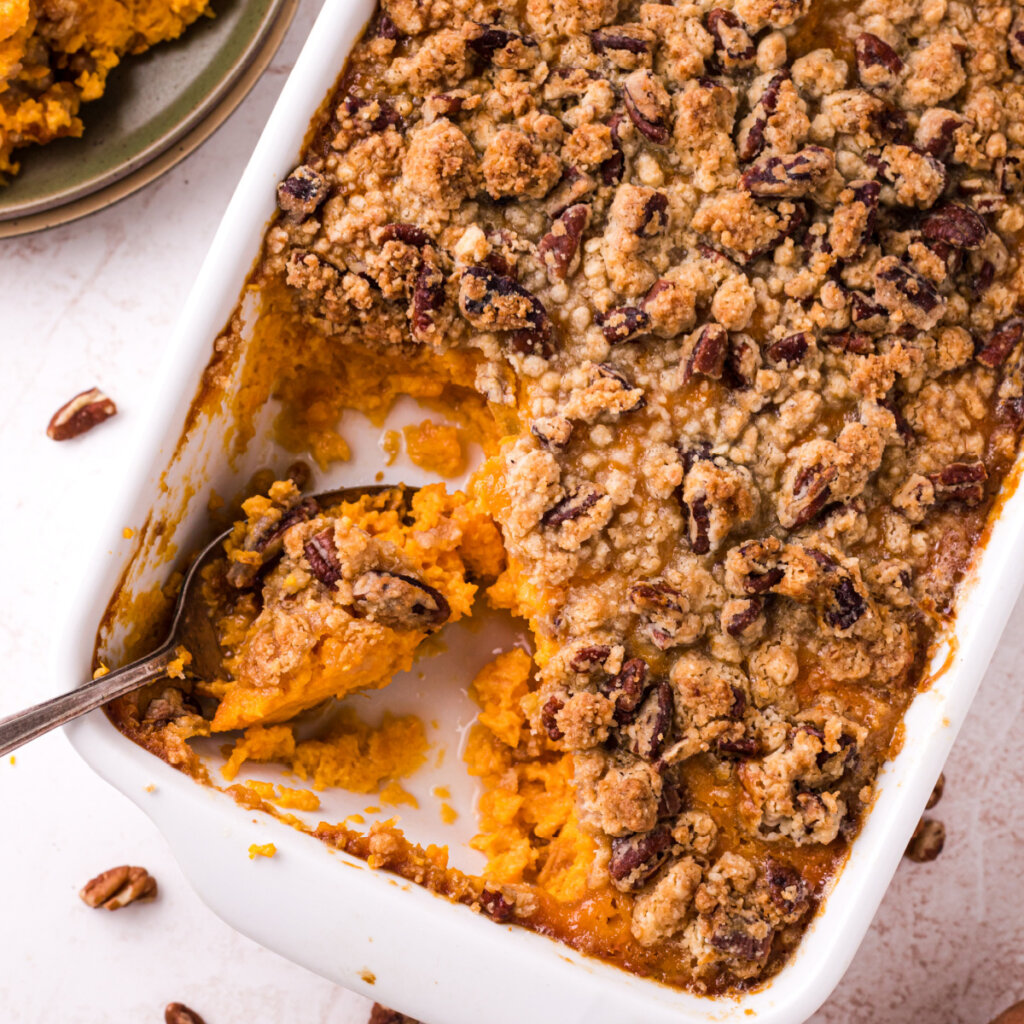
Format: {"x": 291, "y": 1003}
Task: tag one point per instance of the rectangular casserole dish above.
{"x": 364, "y": 929}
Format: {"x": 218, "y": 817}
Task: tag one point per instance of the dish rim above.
{"x": 410, "y": 976}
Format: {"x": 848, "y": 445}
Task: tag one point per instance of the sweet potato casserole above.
{"x": 730, "y": 296}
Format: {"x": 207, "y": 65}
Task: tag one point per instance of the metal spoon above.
{"x": 191, "y": 628}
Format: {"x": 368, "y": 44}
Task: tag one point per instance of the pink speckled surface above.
{"x": 947, "y": 944}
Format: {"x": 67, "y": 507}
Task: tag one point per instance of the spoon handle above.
{"x": 26, "y": 725}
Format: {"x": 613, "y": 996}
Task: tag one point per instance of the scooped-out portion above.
{"x": 313, "y": 603}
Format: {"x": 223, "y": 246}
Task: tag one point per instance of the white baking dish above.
{"x": 368, "y": 930}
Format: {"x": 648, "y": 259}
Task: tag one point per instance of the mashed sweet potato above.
{"x": 351, "y": 754}
{"x": 55, "y": 55}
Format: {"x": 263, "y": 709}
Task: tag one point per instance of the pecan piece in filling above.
{"x": 707, "y": 357}
{"x": 323, "y": 558}
{"x": 734, "y": 49}
{"x": 961, "y": 481}
{"x": 494, "y": 302}
{"x": 647, "y": 104}
{"x": 398, "y": 601}
{"x": 302, "y": 192}
{"x": 777, "y": 177}
{"x": 636, "y": 858}
{"x": 559, "y": 248}
{"x": 956, "y": 225}
{"x": 624, "y": 324}
{"x": 1002, "y": 340}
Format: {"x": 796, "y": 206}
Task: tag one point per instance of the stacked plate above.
{"x": 157, "y": 109}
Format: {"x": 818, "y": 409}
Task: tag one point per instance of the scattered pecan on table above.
{"x": 927, "y": 841}
{"x": 382, "y": 1015}
{"x": 179, "y": 1013}
{"x": 118, "y": 887}
{"x": 81, "y": 414}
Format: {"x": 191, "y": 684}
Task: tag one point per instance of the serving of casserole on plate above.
{"x": 722, "y": 305}
{"x": 107, "y": 72}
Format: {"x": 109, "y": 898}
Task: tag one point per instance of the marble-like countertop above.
{"x": 93, "y": 303}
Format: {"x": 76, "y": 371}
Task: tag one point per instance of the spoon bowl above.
{"x": 191, "y": 631}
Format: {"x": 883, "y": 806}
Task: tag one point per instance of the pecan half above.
{"x": 587, "y": 658}
{"x": 636, "y": 858}
{"x": 611, "y": 40}
{"x": 878, "y": 65}
{"x": 955, "y": 225}
{"x": 574, "y": 505}
{"x": 927, "y": 841}
{"x": 398, "y": 601}
{"x": 86, "y": 410}
{"x": 559, "y": 248}
{"x": 626, "y": 689}
{"x": 611, "y": 170}
{"x": 549, "y": 717}
{"x": 653, "y": 218}
{"x": 1016, "y": 41}
{"x": 867, "y": 315}
{"x": 648, "y": 105}
{"x": 756, "y": 566}
{"x": 372, "y": 115}
{"x": 608, "y": 372}
{"x": 707, "y": 357}
{"x": 741, "y": 362}
{"x": 409, "y": 234}
{"x": 650, "y": 727}
{"x": 789, "y": 350}
{"x": 573, "y": 187}
{"x": 624, "y": 324}
{"x": 496, "y": 906}
{"x": 737, "y": 934}
{"x": 428, "y": 297}
{"x": 849, "y": 341}
{"x": 737, "y": 748}
{"x": 553, "y": 432}
{"x": 937, "y": 791}
{"x": 777, "y": 177}
{"x": 936, "y": 130}
{"x": 750, "y": 139}
{"x": 961, "y": 481}
{"x": 486, "y": 40}
{"x": 739, "y": 614}
{"x": 266, "y": 536}
{"x": 118, "y": 887}
{"x": 179, "y": 1013}
{"x": 1010, "y": 173}
{"x": 847, "y": 605}
{"x": 734, "y": 49}
{"x": 1002, "y": 340}
{"x": 811, "y": 491}
{"x": 665, "y": 622}
{"x": 322, "y": 556}
{"x": 301, "y": 192}
{"x": 699, "y": 525}
{"x": 900, "y": 289}
{"x": 494, "y": 302}
{"x": 787, "y": 890}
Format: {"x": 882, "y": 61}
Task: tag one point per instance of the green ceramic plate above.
{"x": 152, "y": 102}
